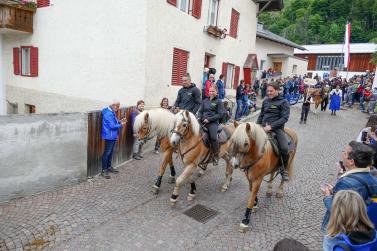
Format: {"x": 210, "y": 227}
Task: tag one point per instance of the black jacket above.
{"x": 274, "y": 112}
{"x": 189, "y": 99}
{"x": 211, "y": 109}
{"x": 239, "y": 93}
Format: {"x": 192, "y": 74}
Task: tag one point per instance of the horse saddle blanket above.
{"x": 275, "y": 144}
{"x": 223, "y": 135}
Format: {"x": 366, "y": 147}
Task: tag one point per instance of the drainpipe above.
{"x": 2, "y": 79}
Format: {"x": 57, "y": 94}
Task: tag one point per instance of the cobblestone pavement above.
{"x": 123, "y": 214}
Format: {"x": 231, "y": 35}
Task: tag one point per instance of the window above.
{"x": 180, "y": 63}
{"x": 29, "y": 109}
{"x": 233, "y": 32}
{"x": 329, "y": 62}
{"x": 294, "y": 69}
{"x": 29, "y": 61}
{"x": 262, "y": 64}
{"x": 43, "y": 3}
{"x": 229, "y": 76}
{"x": 213, "y": 10}
{"x": 183, "y": 5}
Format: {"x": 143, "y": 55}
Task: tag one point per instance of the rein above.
{"x": 252, "y": 163}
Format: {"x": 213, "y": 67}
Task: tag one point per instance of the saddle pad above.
{"x": 275, "y": 145}
{"x": 222, "y": 136}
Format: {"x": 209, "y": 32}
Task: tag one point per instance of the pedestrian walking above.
{"x": 335, "y": 96}
{"x": 325, "y": 98}
{"x": 239, "y": 97}
{"x": 221, "y": 87}
{"x": 138, "y": 144}
{"x": 110, "y": 130}
{"x": 305, "y": 109}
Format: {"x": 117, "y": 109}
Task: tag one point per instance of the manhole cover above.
{"x": 201, "y": 213}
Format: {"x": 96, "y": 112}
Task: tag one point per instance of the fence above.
{"x": 96, "y": 146}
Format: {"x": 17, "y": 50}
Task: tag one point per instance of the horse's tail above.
{"x": 293, "y": 136}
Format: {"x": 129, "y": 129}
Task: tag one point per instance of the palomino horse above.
{"x": 316, "y": 94}
{"x": 161, "y": 122}
{"x": 253, "y": 153}
{"x": 188, "y": 139}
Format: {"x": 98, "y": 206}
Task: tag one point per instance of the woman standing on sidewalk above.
{"x": 164, "y": 105}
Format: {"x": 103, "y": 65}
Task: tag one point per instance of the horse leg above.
{"x": 156, "y": 186}
{"x": 269, "y": 187}
{"x": 191, "y": 195}
{"x": 228, "y": 174}
{"x": 279, "y": 193}
{"x": 179, "y": 182}
{"x": 171, "y": 179}
{"x": 254, "y": 188}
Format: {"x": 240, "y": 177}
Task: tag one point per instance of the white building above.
{"x": 79, "y": 55}
{"x": 277, "y": 53}
{"x": 328, "y": 59}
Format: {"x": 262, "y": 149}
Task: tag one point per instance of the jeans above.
{"x": 329, "y": 243}
{"x": 304, "y": 112}
{"x": 245, "y": 108}
{"x": 138, "y": 144}
{"x": 239, "y": 109}
{"x": 361, "y": 106}
{"x": 108, "y": 154}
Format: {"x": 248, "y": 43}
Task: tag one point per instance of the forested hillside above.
{"x": 323, "y": 21}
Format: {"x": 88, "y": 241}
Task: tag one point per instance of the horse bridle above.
{"x": 181, "y": 135}
{"x": 252, "y": 163}
{"x": 146, "y": 137}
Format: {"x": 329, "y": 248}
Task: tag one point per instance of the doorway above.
{"x": 277, "y": 66}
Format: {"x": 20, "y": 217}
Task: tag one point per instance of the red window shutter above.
{"x": 173, "y": 2}
{"x": 43, "y": 3}
{"x": 234, "y": 23}
{"x": 34, "y": 61}
{"x": 224, "y": 71}
{"x": 179, "y": 69}
{"x": 16, "y": 61}
{"x": 196, "y": 8}
{"x": 236, "y": 77}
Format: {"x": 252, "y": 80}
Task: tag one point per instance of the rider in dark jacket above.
{"x": 274, "y": 114}
{"x": 210, "y": 113}
{"x": 188, "y": 96}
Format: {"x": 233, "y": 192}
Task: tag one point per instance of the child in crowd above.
{"x": 305, "y": 109}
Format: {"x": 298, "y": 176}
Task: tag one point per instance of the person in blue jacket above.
{"x": 110, "y": 130}
{"x": 349, "y": 224}
{"x": 221, "y": 87}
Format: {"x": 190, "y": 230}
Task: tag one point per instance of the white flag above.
{"x": 347, "y": 45}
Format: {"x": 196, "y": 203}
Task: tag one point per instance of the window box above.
{"x": 216, "y": 31}
{"x": 16, "y": 16}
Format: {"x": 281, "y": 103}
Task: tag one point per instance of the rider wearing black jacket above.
{"x": 188, "y": 96}
{"x": 274, "y": 114}
{"x": 210, "y": 113}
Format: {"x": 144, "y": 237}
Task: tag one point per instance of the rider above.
{"x": 210, "y": 113}
{"x": 188, "y": 96}
{"x": 274, "y": 114}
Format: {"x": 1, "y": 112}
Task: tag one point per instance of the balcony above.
{"x": 16, "y": 17}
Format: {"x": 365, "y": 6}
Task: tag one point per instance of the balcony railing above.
{"x": 15, "y": 16}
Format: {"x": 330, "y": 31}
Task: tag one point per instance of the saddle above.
{"x": 275, "y": 144}
{"x": 223, "y": 135}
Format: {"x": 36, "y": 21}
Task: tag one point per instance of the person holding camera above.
{"x": 110, "y": 130}
{"x": 357, "y": 160}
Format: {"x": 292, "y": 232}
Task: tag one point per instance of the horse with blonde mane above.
{"x": 189, "y": 142}
{"x": 158, "y": 122}
{"x": 316, "y": 94}
{"x": 252, "y": 152}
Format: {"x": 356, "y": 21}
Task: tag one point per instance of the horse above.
{"x": 187, "y": 138}
{"x": 161, "y": 122}
{"x": 316, "y": 94}
{"x": 252, "y": 152}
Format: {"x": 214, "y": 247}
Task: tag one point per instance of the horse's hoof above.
{"x": 243, "y": 228}
{"x": 173, "y": 202}
{"x": 191, "y": 197}
{"x": 155, "y": 189}
{"x": 224, "y": 189}
{"x": 171, "y": 180}
{"x": 268, "y": 194}
{"x": 279, "y": 195}
{"x": 254, "y": 209}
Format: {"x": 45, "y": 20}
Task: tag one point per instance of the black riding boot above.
{"x": 284, "y": 171}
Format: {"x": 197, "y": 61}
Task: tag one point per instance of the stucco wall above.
{"x": 87, "y": 49}
{"x": 302, "y": 66}
{"x": 41, "y": 152}
{"x": 183, "y": 31}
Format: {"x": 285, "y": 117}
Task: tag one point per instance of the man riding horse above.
{"x": 274, "y": 114}
{"x": 188, "y": 96}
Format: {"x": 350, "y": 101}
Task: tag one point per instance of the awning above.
{"x": 251, "y": 62}
{"x": 279, "y": 55}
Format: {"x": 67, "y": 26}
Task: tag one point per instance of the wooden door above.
{"x": 277, "y": 66}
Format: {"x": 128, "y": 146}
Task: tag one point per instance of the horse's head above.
{"x": 246, "y": 141}
{"x": 142, "y": 125}
{"x": 185, "y": 125}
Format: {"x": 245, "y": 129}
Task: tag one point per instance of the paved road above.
{"x": 123, "y": 214}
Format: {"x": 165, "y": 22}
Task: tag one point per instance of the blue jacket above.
{"x": 221, "y": 89}
{"x": 348, "y": 183}
{"x": 110, "y": 124}
{"x": 368, "y": 246}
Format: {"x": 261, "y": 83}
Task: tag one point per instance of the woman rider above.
{"x": 210, "y": 113}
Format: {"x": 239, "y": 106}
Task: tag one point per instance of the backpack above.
{"x": 371, "y": 201}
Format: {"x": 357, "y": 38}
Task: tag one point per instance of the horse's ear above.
{"x": 236, "y": 124}
{"x": 187, "y": 113}
{"x": 146, "y": 117}
{"x": 248, "y": 127}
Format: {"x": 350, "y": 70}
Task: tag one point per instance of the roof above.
{"x": 268, "y": 5}
{"x": 266, "y": 34}
{"x": 338, "y": 48}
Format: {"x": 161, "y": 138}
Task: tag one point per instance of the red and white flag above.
{"x": 346, "y": 48}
